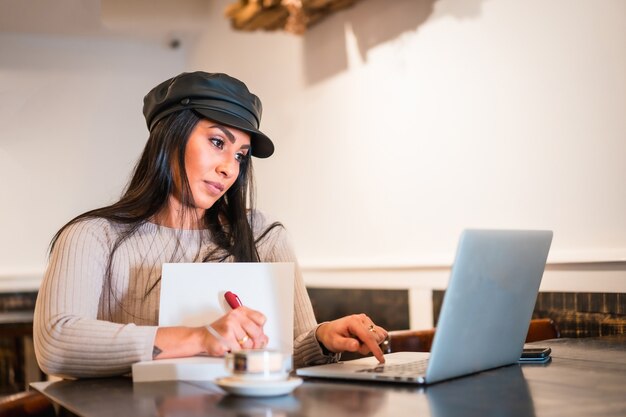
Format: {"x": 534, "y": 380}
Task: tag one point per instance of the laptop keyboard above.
{"x": 402, "y": 371}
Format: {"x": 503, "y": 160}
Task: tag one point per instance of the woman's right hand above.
{"x": 241, "y": 328}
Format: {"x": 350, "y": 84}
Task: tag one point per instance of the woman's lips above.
{"x": 214, "y": 187}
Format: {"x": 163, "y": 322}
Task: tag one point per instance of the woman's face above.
{"x": 213, "y": 159}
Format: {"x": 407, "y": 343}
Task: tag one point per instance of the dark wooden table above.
{"x": 586, "y": 377}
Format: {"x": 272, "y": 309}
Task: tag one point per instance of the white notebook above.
{"x": 197, "y": 368}
{"x": 192, "y": 294}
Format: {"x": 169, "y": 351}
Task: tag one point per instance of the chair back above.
{"x": 421, "y": 340}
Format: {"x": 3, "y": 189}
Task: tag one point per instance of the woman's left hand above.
{"x": 355, "y": 333}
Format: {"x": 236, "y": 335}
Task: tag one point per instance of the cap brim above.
{"x": 262, "y": 145}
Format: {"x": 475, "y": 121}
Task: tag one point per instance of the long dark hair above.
{"x": 152, "y": 182}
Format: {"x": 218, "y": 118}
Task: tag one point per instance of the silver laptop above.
{"x": 484, "y": 318}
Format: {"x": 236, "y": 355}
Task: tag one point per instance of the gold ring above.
{"x": 372, "y": 328}
{"x": 243, "y": 340}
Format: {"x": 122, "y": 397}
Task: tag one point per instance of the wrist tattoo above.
{"x": 156, "y": 351}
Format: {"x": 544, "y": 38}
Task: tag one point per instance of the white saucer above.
{"x": 258, "y": 388}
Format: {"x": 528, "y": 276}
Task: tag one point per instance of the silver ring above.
{"x": 243, "y": 340}
{"x": 372, "y": 328}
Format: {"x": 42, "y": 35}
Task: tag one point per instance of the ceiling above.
{"x": 140, "y": 18}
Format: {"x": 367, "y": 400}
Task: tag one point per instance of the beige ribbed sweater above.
{"x": 83, "y": 330}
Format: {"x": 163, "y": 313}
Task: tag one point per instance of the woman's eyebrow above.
{"x": 226, "y": 132}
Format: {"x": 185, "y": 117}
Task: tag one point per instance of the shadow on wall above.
{"x": 373, "y": 22}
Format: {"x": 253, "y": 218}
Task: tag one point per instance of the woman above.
{"x": 187, "y": 201}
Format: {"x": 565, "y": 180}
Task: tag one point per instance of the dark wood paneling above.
{"x": 575, "y": 314}
{"x": 15, "y": 331}
{"x": 387, "y": 308}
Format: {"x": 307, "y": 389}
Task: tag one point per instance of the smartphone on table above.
{"x": 535, "y": 355}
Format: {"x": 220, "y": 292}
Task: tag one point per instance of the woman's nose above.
{"x": 227, "y": 166}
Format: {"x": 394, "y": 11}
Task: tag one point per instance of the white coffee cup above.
{"x": 258, "y": 364}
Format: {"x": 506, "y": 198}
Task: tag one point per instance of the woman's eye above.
{"x": 217, "y": 142}
{"x": 240, "y": 156}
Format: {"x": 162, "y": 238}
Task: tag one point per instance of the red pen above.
{"x": 232, "y": 300}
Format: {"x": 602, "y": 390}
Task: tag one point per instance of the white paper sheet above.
{"x": 192, "y": 294}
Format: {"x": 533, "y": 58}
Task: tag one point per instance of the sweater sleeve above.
{"x": 307, "y": 349}
{"x": 70, "y": 340}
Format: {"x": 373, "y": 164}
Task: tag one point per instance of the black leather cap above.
{"x": 217, "y": 97}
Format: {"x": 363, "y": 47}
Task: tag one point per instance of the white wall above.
{"x": 397, "y": 124}
{"x": 71, "y": 130}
